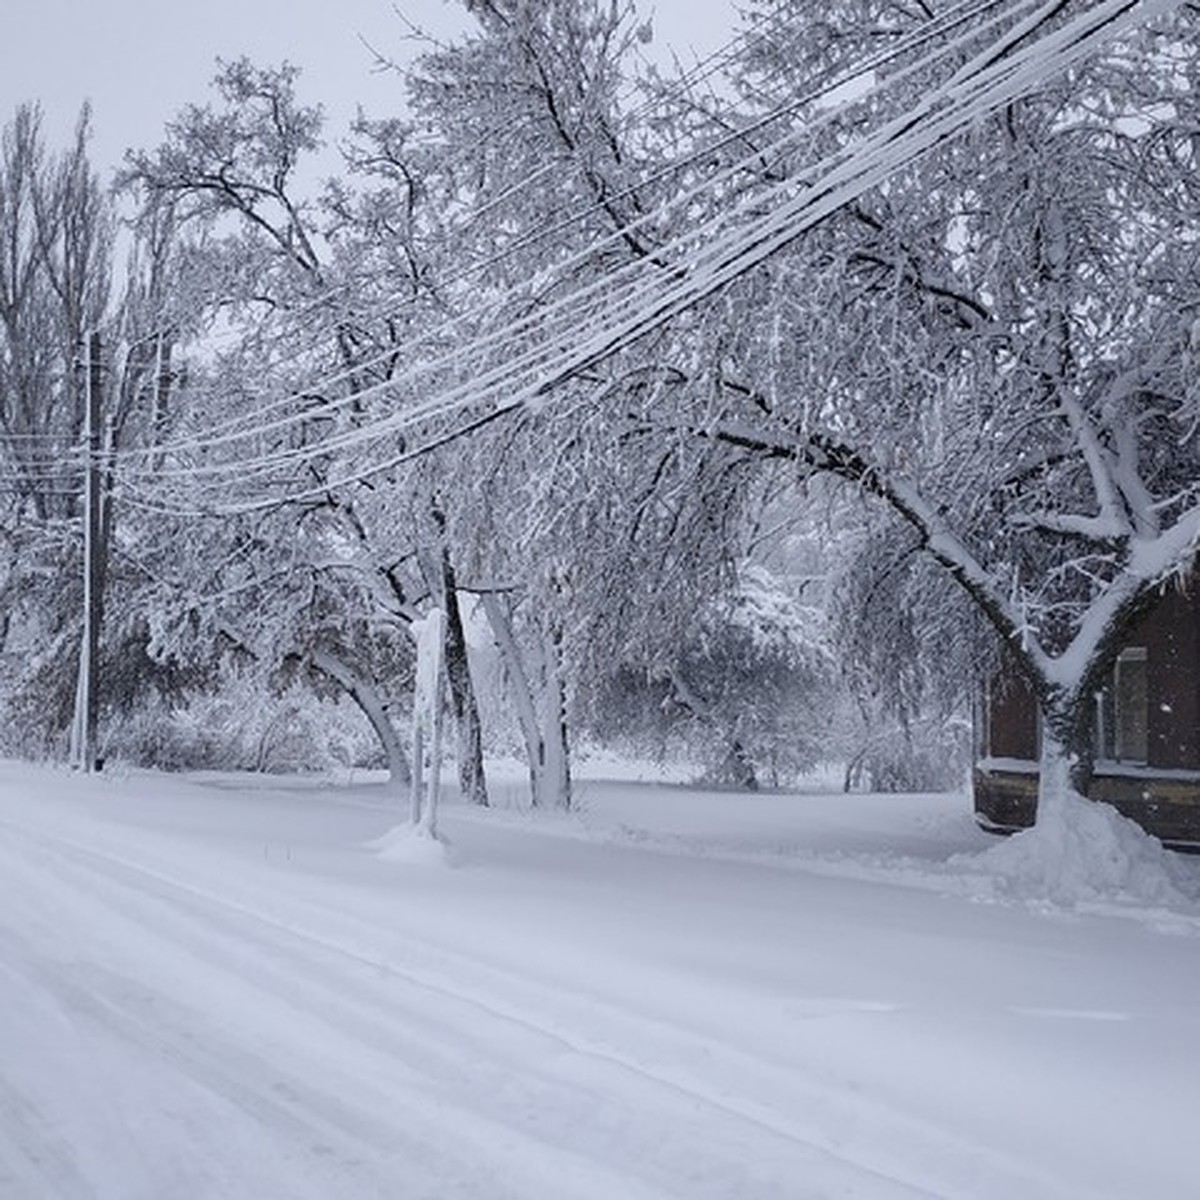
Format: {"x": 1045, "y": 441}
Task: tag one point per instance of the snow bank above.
{"x": 1080, "y": 851}
{"x": 408, "y": 844}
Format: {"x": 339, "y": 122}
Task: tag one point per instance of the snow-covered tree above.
{"x": 56, "y": 234}
{"x": 294, "y": 278}
{"x": 518, "y": 140}
{"x": 996, "y": 347}
{"x": 748, "y": 691}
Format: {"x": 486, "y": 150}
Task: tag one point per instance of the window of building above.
{"x": 1123, "y": 710}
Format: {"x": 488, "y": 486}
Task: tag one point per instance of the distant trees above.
{"x": 56, "y": 237}
{"x": 747, "y": 690}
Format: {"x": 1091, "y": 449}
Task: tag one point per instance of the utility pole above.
{"x": 87, "y": 694}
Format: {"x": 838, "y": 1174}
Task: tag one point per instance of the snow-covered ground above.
{"x": 213, "y": 987}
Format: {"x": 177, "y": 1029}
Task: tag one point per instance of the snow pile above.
{"x": 412, "y": 845}
{"x": 1080, "y": 851}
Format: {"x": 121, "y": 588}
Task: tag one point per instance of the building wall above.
{"x": 1011, "y": 719}
{"x": 1171, "y": 635}
{"x": 1164, "y": 794}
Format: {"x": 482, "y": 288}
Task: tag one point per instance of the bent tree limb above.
{"x": 1063, "y": 677}
{"x": 737, "y": 767}
{"x": 364, "y": 693}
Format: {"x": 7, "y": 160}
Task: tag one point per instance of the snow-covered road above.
{"x": 213, "y": 989}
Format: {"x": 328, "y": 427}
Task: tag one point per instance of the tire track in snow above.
{"x": 115, "y": 1020}
{"x": 601, "y": 1069}
{"x": 462, "y": 1154}
{"x": 631, "y": 1102}
{"x": 34, "y": 1157}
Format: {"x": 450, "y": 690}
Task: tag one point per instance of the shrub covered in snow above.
{"x": 245, "y": 727}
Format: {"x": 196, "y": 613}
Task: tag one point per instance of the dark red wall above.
{"x": 1171, "y": 635}
{"x": 1012, "y": 719}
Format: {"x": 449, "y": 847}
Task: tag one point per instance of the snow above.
{"x": 216, "y": 987}
{"x": 412, "y": 844}
{"x": 1086, "y": 852}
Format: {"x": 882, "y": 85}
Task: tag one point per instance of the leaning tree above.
{"x": 998, "y": 343}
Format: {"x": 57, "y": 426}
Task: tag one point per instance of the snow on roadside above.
{"x": 412, "y": 846}
{"x": 1093, "y": 857}
{"x": 1085, "y": 852}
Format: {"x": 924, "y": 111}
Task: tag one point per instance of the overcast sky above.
{"x": 139, "y": 61}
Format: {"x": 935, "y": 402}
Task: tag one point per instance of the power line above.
{"x": 238, "y": 429}
{"x": 628, "y": 303}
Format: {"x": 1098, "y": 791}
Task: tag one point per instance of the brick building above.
{"x": 1147, "y": 731}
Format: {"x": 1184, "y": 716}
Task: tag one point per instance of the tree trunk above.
{"x": 547, "y": 745}
{"x": 554, "y": 730}
{"x": 522, "y": 696}
{"x": 432, "y": 769}
{"x": 472, "y": 781}
{"x": 363, "y": 692}
{"x": 430, "y": 635}
{"x": 1054, "y": 777}
{"x": 1066, "y": 754}
{"x": 738, "y": 770}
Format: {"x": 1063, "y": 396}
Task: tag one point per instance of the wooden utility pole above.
{"x": 87, "y": 695}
